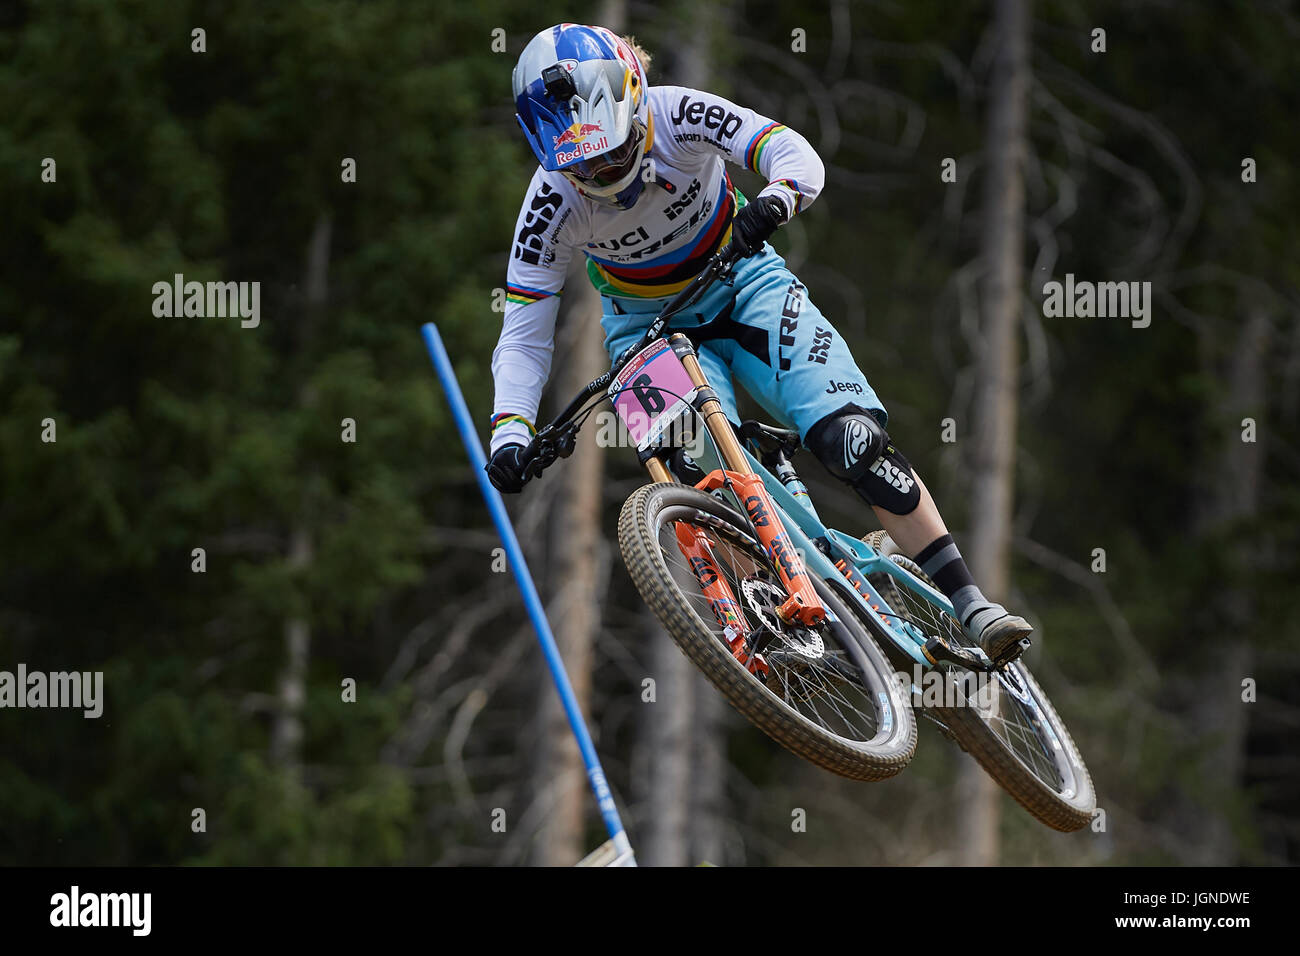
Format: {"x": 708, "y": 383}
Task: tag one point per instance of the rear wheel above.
{"x": 826, "y": 694}
{"x": 1008, "y": 724}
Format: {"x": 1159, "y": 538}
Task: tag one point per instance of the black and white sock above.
{"x": 942, "y": 561}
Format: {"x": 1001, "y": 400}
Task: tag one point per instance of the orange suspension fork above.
{"x": 698, "y": 551}
{"x": 802, "y": 606}
{"x": 697, "y": 548}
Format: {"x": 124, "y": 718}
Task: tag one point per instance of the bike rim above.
{"x": 1012, "y": 712}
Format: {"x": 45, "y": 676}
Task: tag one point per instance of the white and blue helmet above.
{"x": 580, "y": 96}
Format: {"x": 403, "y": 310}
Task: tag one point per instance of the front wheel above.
{"x": 825, "y": 693}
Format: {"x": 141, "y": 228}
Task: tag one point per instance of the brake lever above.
{"x": 548, "y": 445}
{"x": 566, "y": 441}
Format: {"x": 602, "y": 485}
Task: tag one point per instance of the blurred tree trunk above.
{"x": 667, "y": 737}
{"x": 286, "y": 730}
{"x": 709, "y": 712}
{"x": 708, "y": 771}
{"x": 683, "y": 732}
{"x": 1232, "y": 499}
{"x": 997, "y": 373}
{"x": 574, "y": 547}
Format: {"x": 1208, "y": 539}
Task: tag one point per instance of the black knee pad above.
{"x": 855, "y": 448}
{"x": 847, "y": 442}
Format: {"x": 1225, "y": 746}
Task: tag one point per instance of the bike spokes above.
{"x": 804, "y": 666}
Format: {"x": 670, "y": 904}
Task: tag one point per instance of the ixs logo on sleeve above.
{"x": 530, "y": 242}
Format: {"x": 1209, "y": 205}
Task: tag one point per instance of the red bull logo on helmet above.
{"x": 581, "y": 136}
{"x": 576, "y": 133}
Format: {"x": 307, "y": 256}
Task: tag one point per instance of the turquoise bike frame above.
{"x": 804, "y": 526}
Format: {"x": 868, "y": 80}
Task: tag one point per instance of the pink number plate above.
{"x": 653, "y": 391}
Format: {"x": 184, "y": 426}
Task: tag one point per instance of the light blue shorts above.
{"x": 759, "y": 328}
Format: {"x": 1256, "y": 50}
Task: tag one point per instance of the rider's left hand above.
{"x": 755, "y": 223}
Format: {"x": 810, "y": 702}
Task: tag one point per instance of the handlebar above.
{"x": 558, "y": 437}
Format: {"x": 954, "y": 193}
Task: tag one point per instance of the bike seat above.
{"x": 770, "y": 438}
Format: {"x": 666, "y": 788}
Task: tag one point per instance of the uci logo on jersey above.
{"x": 713, "y": 117}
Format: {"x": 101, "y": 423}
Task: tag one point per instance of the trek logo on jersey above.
{"x": 713, "y": 117}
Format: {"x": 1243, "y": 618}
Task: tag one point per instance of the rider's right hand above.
{"x": 506, "y": 469}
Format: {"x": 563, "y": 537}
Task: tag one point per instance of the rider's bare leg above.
{"x": 912, "y": 532}
{"x": 854, "y": 447}
{"x": 922, "y": 535}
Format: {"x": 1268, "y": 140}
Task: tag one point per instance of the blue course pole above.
{"x": 478, "y": 461}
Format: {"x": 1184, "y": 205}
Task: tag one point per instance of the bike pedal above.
{"x": 937, "y": 649}
{"x": 1012, "y": 653}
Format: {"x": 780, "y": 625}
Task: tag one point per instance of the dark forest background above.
{"x": 373, "y": 560}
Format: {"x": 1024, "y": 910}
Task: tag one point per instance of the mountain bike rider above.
{"x": 634, "y": 176}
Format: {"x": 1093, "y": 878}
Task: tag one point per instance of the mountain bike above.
{"x": 824, "y": 641}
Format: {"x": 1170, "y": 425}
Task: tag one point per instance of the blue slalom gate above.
{"x": 617, "y": 851}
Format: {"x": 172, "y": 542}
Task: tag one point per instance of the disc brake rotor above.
{"x": 763, "y": 599}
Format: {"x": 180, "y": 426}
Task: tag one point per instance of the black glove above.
{"x": 506, "y": 469}
{"x": 755, "y": 223}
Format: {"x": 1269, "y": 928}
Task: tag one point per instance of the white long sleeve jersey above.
{"x": 651, "y": 250}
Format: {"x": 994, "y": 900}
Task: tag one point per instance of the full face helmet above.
{"x": 580, "y": 96}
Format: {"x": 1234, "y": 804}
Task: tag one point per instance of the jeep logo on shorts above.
{"x": 853, "y": 387}
{"x": 714, "y": 117}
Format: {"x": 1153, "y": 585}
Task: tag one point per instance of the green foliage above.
{"x": 183, "y": 433}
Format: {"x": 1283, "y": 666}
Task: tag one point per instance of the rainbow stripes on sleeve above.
{"x": 524, "y": 295}
{"x": 754, "y": 151}
{"x": 754, "y": 156}
{"x": 505, "y": 418}
{"x": 793, "y": 186}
